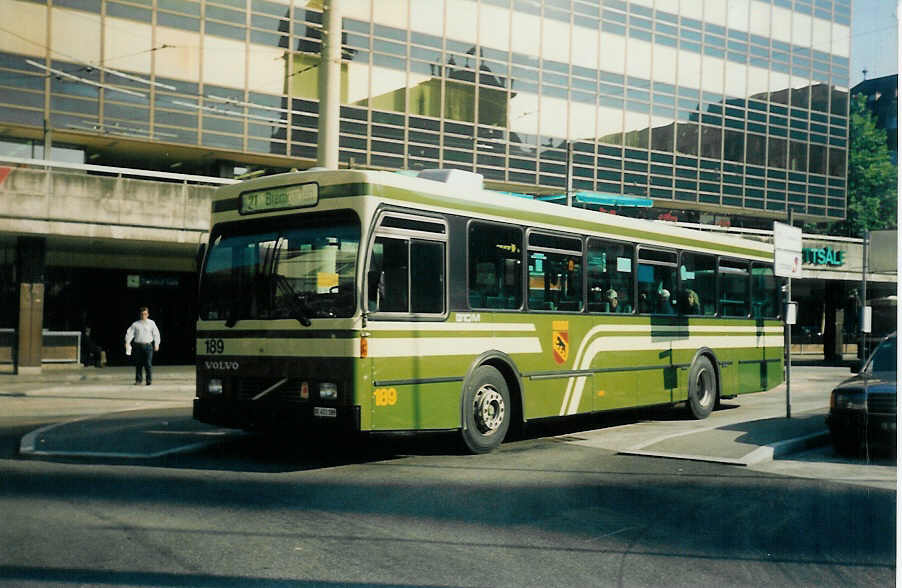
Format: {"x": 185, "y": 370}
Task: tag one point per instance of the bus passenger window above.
{"x": 657, "y": 277}
{"x": 387, "y": 275}
{"x": 734, "y": 287}
{"x": 765, "y": 292}
{"x": 609, "y": 271}
{"x": 406, "y": 272}
{"x": 555, "y": 273}
{"x": 495, "y": 266}
{"x": 697, "y": 294}
{"x": 427, "y": 277}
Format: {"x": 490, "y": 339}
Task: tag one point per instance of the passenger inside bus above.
{"x": 664, "y": 304}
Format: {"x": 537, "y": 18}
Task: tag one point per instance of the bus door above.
{"x": 406, "y": 297}
{"x": 656, "y": 274}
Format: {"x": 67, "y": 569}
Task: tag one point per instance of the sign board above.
{"x": 867, "y": 315}
{"x": 883, "y": 252}
{"x": 787, "y": 250}
{"x": 279, "y": 198}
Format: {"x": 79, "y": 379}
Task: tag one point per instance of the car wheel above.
{"x": 846, "y": 445}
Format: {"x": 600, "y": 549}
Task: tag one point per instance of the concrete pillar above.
{"x": 329, "y": 86}
{"x": 30, "y": 256}
{"x": 833, "y": 320}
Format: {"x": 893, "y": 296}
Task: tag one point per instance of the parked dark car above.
{"x": 863, "y": 408}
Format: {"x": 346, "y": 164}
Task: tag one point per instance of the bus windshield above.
{"x": 300, "y": 270}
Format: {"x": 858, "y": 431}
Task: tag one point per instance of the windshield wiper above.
{"x": 298, "y": 303}
{"x": 238, "y": 303}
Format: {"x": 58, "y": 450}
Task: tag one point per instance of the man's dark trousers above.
{"x": 143, "y": 360}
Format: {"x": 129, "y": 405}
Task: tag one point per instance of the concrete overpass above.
{"x": 86, "y": 216}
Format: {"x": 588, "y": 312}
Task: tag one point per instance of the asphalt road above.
{"x": 549, "y": 510}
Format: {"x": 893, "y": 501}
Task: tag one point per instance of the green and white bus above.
{"x": 376, "y": 301}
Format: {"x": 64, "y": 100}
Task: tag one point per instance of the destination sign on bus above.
{"x": 280, "y": 198}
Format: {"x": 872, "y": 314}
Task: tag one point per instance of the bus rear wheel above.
{"x": 486, "y": 410}
{"x": 702, "y": 388}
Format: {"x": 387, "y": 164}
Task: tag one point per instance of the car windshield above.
{"x": 303, "y": 269}
{"x": 884, "y": 358}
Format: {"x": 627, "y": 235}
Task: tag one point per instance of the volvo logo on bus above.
{"x": 222, "y": 365}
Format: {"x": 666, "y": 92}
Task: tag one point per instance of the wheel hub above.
{"x": 488, "y": 408}
{"x": 704, "y": 385}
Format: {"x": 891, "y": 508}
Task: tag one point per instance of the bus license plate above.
{"x": 323, "y": 411}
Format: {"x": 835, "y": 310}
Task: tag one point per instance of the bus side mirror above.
{"x": 856, "y": 366}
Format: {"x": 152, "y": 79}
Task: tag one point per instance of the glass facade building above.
{"x": 732, "y": 106}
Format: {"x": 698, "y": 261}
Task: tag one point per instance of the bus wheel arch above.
{"x": 491, "y": 385}
{"x": 703, "y": 393}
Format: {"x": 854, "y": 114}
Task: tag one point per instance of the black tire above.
{"x": 487, "y": 410}
{"x": 846, "y": 445}
{"x": 702, "y": 388}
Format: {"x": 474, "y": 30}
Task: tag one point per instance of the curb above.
{"x": 757, "y": 456}
{"x": 781, "y": 448}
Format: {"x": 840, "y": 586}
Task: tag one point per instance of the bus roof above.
{"x": 425, "y": 194}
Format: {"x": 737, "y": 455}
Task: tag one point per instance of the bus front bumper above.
{"x": 255, "y": 415}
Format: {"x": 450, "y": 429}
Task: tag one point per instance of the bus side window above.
{"x": 495, "y": 266}
{"x": 657, "y": 278}
{"x": 765, "y": 292}
{"x": 698, "y": 293}
{"x": 609, "y": 271}
{"x": 427, "y": 277}
{"x": 406, "y": 272}
{"x": 734, "y": 287}
{"x": 388, "y": 265}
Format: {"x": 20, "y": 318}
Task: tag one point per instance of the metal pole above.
{"x": 329, "y": 86}
{"x": 863, "y": 343}
{"x": 569, "y": 173}
{"x": 787, "y": 336}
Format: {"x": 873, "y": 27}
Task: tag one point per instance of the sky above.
{"x": 875, "y": 39}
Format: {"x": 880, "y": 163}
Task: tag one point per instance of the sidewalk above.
{"x": 748, "y": 430}
{"x": 55, "y": 375}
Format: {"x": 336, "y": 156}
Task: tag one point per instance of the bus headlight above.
{"x": 214, "y": 387}
{"x": 328, "y": 391}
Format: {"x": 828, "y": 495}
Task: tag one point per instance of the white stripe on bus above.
{"x": 587, "y": 354}
{"x": 432, "y": 346}
{"x": 449, "y": 326}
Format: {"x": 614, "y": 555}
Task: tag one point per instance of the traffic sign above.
{"x": 787, "y": 250}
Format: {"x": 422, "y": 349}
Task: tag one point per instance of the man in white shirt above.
{"x": 146, "y": 338}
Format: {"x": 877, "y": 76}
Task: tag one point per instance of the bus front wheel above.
{"x": 702, "y": 388}
{"x": 486, "y": 410}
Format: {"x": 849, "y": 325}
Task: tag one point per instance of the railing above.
{"x": 116, "y": 171}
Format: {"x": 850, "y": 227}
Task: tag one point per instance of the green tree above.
{"x": 872, "y": 176}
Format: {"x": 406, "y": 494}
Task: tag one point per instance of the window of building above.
{"x": 837, "y": 162}
{"x": 733, "y": 145}
{"x": 776, "y": 153}
{"x": 798, "y": 160}
{"x": 755, "y": 149}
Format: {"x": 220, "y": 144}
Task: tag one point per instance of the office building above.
{"x": 714, "y": 111}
